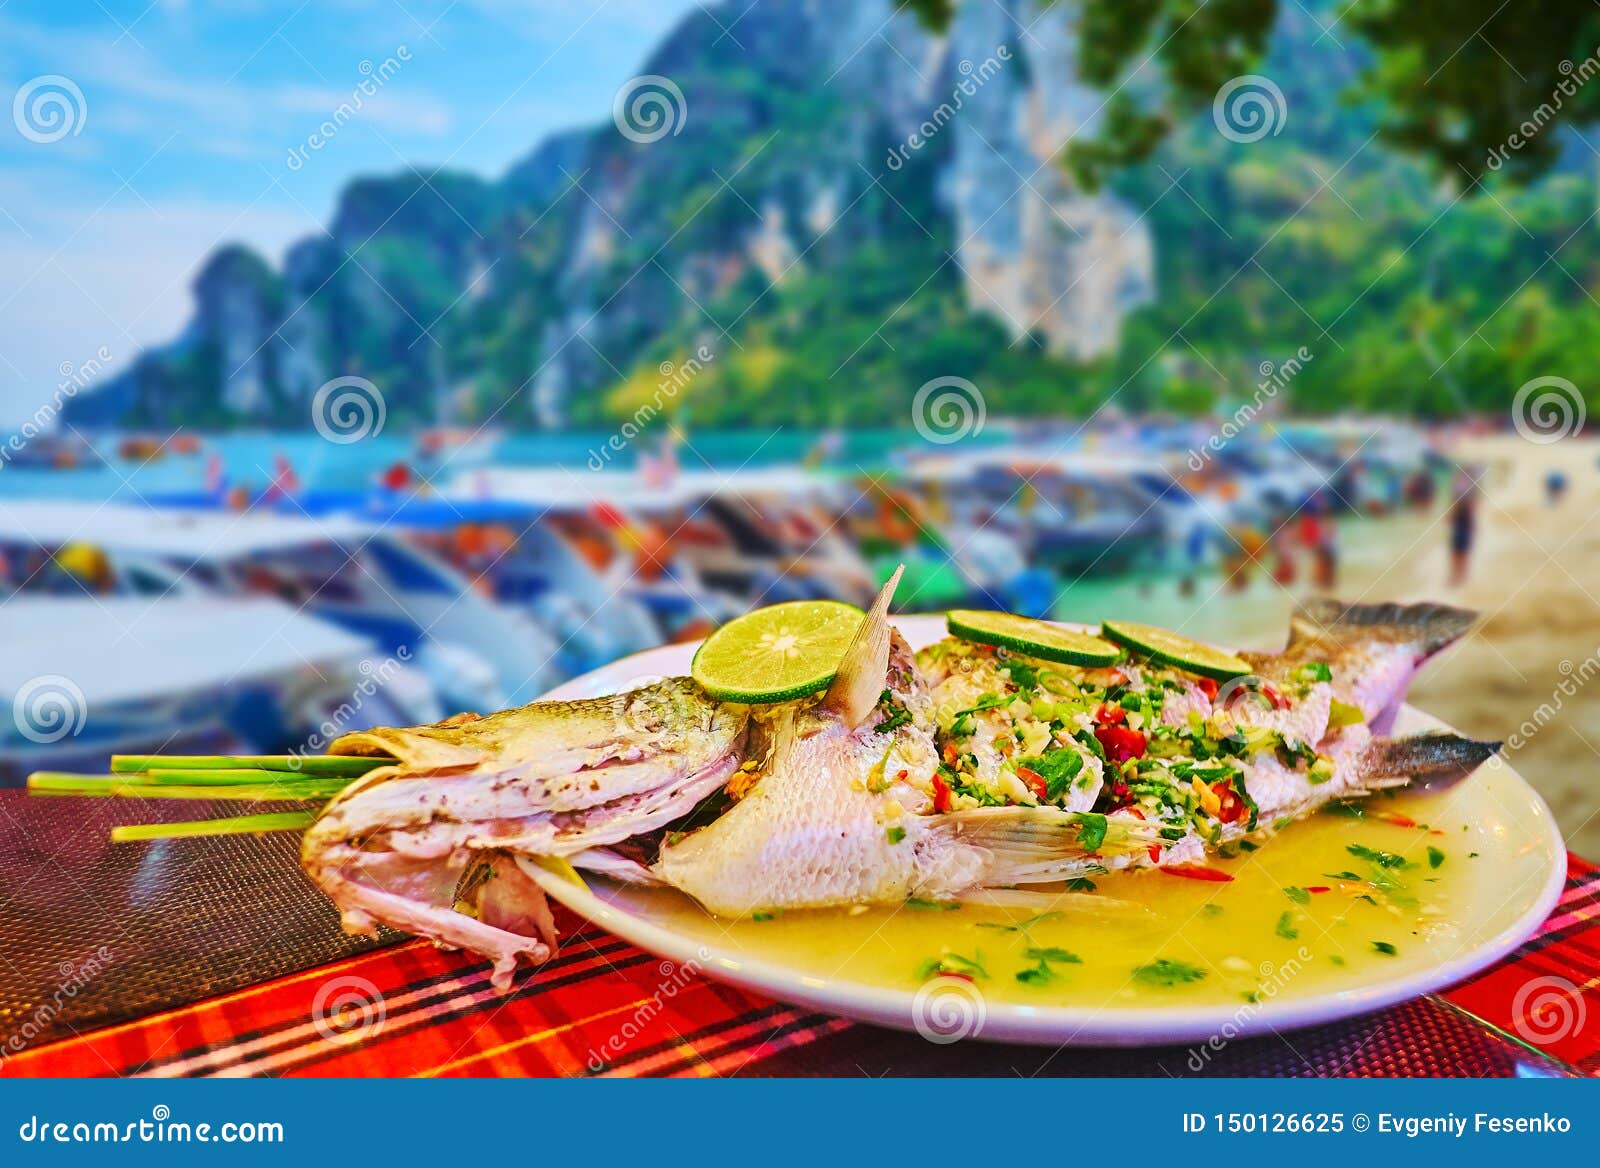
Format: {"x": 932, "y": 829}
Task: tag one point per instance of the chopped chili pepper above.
{"x": 1232, "y": 809}
{"x": 1279, "y": 702}
{"x": 1319, "y": 888}
{"x": 1393, "y": 817}
{"x": 941, "y": 794}
{"x": 1109, "y": 715}
{"x": 1120, "y": 743}
{"x": 1196, "y": 872}
{"x": 1208, "y": 687}
{"x": 1035, "y": 783}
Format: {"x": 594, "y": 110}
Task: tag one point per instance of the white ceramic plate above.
{"x": 1515, "y": 879}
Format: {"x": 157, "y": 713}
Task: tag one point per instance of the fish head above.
{"x": 441, "y": 842}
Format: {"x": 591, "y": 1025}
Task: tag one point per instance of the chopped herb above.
{"x": 766, "y": 916}
{"x": 1091, "y": 830}
{"x": 1052, "y": 953}
{"x": 1023, "y": 675}
{"x": 1312, "y": 671}
{"x": 1435, "y": 857}
{"x": 1336, "y": 959}
{"x": 1080, "y": 884}
{"x": 1285, "y": 927}
{"x": 1057, "y": 768}
{"x": 1385, "y": 948}
{"x": 1251, "y": 996}
{"x": 1382, "y": 859}
{"x": 1165, "y": 972}
{"x": 1472, "y": 855}
{"x": 917, "y": 902}
{"x": 1036, "y": 974}
{"x": 896, "y": 834}
{"x": 1211, "y": 910}
{"x": 1298, "y": 895}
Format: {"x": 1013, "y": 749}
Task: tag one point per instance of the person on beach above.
{"x": 1463, "y": 527}
{"x": 1555, "y": 487}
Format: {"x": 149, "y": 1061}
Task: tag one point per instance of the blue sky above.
{"x": 190, "y": 110}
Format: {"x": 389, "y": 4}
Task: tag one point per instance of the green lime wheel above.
{"x": 1034, "y": 638}
{"x": 1169, "y": 648}
{"x": 776, "y": 654}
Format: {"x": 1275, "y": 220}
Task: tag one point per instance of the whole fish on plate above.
{"x": 952, "y": 773}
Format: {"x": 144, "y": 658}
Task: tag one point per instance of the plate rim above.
{"x": 1060, "y": 1025}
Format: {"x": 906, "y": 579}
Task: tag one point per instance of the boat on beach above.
{"x": 476, "y": 653}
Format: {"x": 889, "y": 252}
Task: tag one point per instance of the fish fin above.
{"x": 1432, "y": 761}
{"x": 865, "y": 666}
{"x": 1036, "y": 845}
{"x": 1432, "y": 625}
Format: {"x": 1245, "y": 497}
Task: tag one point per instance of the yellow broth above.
{"x": 1252, "y": 938}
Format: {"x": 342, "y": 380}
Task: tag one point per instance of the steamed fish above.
{"x": 959, "y": 772}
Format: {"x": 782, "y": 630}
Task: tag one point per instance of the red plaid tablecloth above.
{"x": 605, "y": 1007}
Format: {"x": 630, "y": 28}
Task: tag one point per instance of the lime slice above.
{"x": 1169, "y": 648}
{"x": 776, "y": 654}
{"x": 1034, "y": 638}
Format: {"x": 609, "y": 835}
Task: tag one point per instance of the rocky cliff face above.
{"x": 808, "y": 131}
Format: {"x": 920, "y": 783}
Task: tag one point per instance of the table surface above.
{"x": 217, "y": 957}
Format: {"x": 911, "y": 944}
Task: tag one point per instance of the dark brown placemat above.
{"x": 93, "y": 933}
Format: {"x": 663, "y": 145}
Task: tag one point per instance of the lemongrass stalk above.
{"x": 114, "y": 786}
{"x": 234, "y": 778}
{"x": 237, "y": 825}
{"x": 318, "y": 765}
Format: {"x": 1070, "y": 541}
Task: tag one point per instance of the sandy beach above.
{"x": 1528, "y": 674}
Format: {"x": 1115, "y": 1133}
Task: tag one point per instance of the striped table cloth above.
{"x": 604, "y": 1007}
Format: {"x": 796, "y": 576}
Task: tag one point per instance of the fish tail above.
{"x": 1431, "y": 761}
{"x": 1433, "y": 626}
